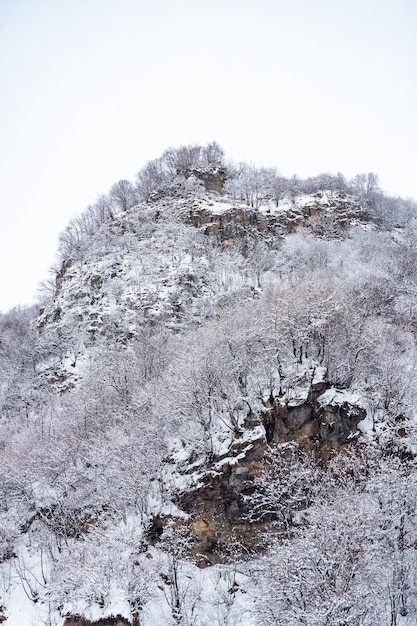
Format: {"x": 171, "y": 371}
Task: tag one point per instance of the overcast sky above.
{"x": 90, "y": 90}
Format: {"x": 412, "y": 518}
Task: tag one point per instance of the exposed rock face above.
{"x": 218, "y": 509}
{"x": 326, "y": 420}
{"x": 228, "y": 224}
{"x": 66, "y": 264}
{"x": 213, "y": 178}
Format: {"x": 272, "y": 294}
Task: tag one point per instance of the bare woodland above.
{"x": 210, "y": 416}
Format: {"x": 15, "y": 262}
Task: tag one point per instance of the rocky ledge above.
{"x": 219, "y": 518}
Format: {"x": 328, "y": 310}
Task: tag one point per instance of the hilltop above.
{"x": 209, "y": 419}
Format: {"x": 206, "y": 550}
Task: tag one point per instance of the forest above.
{"x": 209, "y": 418}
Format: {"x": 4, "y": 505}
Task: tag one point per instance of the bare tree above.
{"x": 122, "y": 195}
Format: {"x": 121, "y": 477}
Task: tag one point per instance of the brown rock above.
{"x": 108, "y": 621}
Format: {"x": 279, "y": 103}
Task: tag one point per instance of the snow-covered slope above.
{"x": 215, "y": 382}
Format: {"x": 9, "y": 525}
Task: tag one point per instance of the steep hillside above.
{"x": 210, "y": 420}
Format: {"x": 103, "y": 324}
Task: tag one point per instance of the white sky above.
{"x": 90, "y": 90}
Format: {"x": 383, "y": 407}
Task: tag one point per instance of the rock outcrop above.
{"x": 217, "y": 508}
{"x": 322, "y": 421}
{"x": 326, "y": 420}
{"x": 213, "y": 178}
{"x": 108, "y": 621}
{"x": 319, "y": 216}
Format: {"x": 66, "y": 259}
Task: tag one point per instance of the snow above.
{"x": 210, "y": 595}
{"x": 319, "y": 375}
{"x": 159, "y": 274}
{"x": 21, "y": 576}
{"x": 337, "y": 397}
